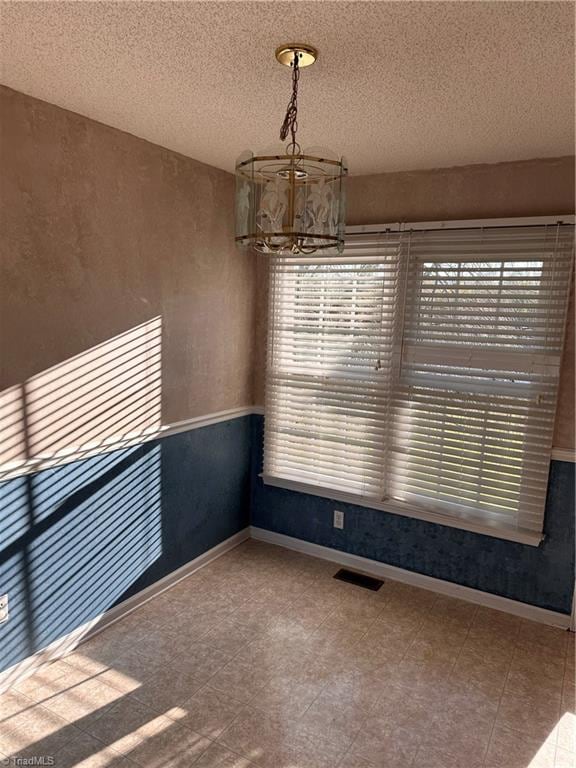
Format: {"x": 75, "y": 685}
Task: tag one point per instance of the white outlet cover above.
{"x": 3, "y": 608}
{"x": 338, "y": 519}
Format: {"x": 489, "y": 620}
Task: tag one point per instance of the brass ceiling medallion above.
{"x": 307, "y": 54}
{"x": 290, "y": 201}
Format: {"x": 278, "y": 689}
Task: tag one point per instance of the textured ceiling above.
{"x": 398, "y": 85}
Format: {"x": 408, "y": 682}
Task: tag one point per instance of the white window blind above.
{"x": 421, "y": 368}
{"x": 331, "y": 349}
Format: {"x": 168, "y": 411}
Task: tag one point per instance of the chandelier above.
{"x": 291, "y": 201}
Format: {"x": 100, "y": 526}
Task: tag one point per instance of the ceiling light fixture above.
{"x": 291, "y": 201}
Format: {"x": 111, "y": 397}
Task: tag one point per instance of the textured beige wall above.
{"x": 102, "y": 231}
{"x": 528, "y": 188}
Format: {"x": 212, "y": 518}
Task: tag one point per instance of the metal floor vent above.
{"x": 359, "y": 579}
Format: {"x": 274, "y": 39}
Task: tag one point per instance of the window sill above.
{"x": 531, "y": 538}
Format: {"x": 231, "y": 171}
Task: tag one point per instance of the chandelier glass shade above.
{"x": 291, "y": 201}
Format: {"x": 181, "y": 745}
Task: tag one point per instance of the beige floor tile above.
{"x": 271, "y": 657}
{"x": 370, "y": 655}
{"x": 105, "y": 648}
{"x": 90, "y": 698}
{"x": 536, "y": 715}
{"x": 36, "y": 729}
{"x": 217, "y": 756}
{"x": 275, "y": 743}
{"x": 124, "y": 724}
{"x": 462, "y": 722}
{"x": 406, "y": 594}
{"x": 571, "y": 652}
{"x": 228, "y": 636}
{"x": 488, "y": 618}
{"x": 125, "y": 673}
{"x": 353, "y": 761}
{"x": 406, "y": 709}
{"x": 308, "y": 612}
{"x": 511, "y": 749}
{"x": 427, "y": 677}
{"x": 284, "y": 632}
{"x": 384, "y": 745}
{"x": 81, "y": 662}
{"x": 255, "y": 617}
{"x": 202, "y": 660}
{"x": 131, "y": 628}
{"x": 165, "y": 647}
{"x": 239, "y": 680}
{"x": 287, "y": 696}
{"x": 531, "y": 674}
{"x": 464, "y": 736}
{"x": 564, "y": 758}
{"x": 334, "y": 644}
{"x": 566, "y": 728}
{"x": 253, "y": 735}
{"x": 305, "y": 750}
{"x": 209, "y": 712}
{"x": 147, "y": 738}
{"x": 130, "y": 671}
{"x": 53, "y": 679}
{"x": 195, "y": 626}
{"x": 427, "y": 757}
{"x": 86, "y": 752}
{"x": 450, "y": 631}
{"x": 490, "y": 643}
{"x": 424, "y": 649}
{"x": 173, "y": 747}
{"x": 550, "y": 639}
{"x": 12, "y": 703}
{"x": 473, "y": 669}
{"x": 452, "y": 610}
{"x": 334, "y": 720}
{"x": 397, "y": 620}
{"x": 355, "y": 690}
{"x": 358, "y": 613}
{"x": 168, "y": 688}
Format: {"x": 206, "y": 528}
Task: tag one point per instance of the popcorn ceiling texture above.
{"x": 398, "y": 86}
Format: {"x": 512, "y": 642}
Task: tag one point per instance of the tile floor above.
{"x": 263, "y": 660}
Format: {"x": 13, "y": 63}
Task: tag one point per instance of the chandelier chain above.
{"x": 290, "y": 123}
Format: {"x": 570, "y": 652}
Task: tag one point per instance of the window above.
{"x": 419, "y": 372}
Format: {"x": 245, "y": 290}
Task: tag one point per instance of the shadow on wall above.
{"x": 94, "y": 508}
{"x": 67, "y": 554}
{"x": 108, "y": 393}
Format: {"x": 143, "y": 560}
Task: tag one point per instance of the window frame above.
{"x": 406, "y": 509}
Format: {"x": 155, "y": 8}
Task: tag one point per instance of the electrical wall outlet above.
{"x": 338, "y": 518}
{"x": 3, "y": 608}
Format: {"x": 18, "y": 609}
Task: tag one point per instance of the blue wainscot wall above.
{"x": 541, "y": 576}
{"x": 80, "y": 538}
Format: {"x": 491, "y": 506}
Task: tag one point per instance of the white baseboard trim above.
{"x": 65, "y": 645}
{"x": 383, "y": 571}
